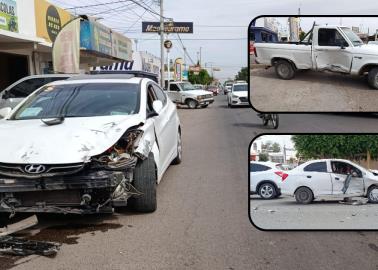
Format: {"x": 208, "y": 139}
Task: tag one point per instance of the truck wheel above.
{"x": 373, "y": 78}
{"x": 178, "y": 158}
{"x": 304, "y": 195}
{"x": 372, "y": 194}
{"x": 284, "y": 70}
{"x": 145, "y": 181}
{"x": 192, "y": 104}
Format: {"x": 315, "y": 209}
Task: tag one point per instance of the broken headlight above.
{"x": 120, "y": 156}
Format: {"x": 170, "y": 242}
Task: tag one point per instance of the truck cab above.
{"x": 184, "y": 93}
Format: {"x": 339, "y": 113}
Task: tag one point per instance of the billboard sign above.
{"x": 98, "y": 38}
{"x": 49, "y": 19}
{"x": 8, "y": 15}
{"x": 169, "y": 27}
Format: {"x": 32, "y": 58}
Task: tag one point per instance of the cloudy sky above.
{"x": 220, "y": 27}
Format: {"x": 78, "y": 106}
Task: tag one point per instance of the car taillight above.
{"x": 282, "y": 175}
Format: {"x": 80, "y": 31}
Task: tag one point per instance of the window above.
{"x": 316, "y": 167}
{"x": 151, "y": 97}
{"x": 160, "y": 94}
{"x": 174, "y": 87}
{"x": 344, "y": 168}
{"x": 81, "y": 100}
{"x": 258, "y": 168}
{"x": 331, "y": 37}
{"x": 26, "y": 87}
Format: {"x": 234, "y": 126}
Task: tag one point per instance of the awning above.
{"x": 15, "y": 41}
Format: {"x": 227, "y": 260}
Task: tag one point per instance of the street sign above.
{"x": 169, "y": 27}
{"x": 168, "y": 44}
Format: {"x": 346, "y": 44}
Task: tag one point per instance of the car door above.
{"x": 347, "y": 180}
{"x": 174, "y": 93}
{"x": 332, "y": 51}
{"x": 317, "y": 177}
{"x": 164, "y": 124}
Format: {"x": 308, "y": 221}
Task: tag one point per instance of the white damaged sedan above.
{"x": 87, "y": 145}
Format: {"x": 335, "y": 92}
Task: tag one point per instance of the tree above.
{"x": 354, "y": 147}
{"x": 242, "y": 75}
{"x": 202, "y": 78}
{"x": 275, "y": 148}
{"x": 263, "y": 157}
{"x": 302, "y": 35}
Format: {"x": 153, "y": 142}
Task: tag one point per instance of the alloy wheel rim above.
{"x": 266, "y": 191}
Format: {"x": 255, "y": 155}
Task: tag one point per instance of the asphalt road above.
{"x": 285, "y": 213}
{"x": 311, "y": 91}
{"x": 202, "y": 218}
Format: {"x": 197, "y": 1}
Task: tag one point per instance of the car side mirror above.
{"x": 5, "y": 112}
{"x": 157, "y": 106}
{"x": 354, "y": 174}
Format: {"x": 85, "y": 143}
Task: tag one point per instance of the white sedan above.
{"x": 86, "y": 145}
{"x": 238, "y": 96}
{"x": 266, "y": 179}
{"x": 330, "y": 179}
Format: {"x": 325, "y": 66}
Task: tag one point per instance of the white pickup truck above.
{"x": 324, "y": 48}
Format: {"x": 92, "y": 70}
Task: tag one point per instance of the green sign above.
{"x": 8, "y": 15}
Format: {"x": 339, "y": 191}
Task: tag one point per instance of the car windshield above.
{"x": 81, "y": 100}
{"x": 352, "y": 36}
{"x": 187, "y": 86}
{"x": 240, "y": 88}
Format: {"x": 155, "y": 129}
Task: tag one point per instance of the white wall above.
{"x": 26, "y": 17}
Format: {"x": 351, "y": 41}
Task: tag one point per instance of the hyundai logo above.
{"x": 35, "y": 169}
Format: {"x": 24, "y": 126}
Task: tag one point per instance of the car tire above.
{"x": 178, "y": 158}
{"x": 284, "y": 70}
{"x": 192, "y": 104}
{"x": 145, "y": 181}
{"x": 275, "y": 121}
{"x": 372, "y": 198}
{"x": 373, "y": 78}
{"x": 267, "y": 191}
{"x": 304, "y": 195}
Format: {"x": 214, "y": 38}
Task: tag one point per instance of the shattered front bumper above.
{"x": 76, "y": 194}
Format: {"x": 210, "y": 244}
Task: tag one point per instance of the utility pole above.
{"x": 162, "y": 44}
{"x": 200, "y": 56}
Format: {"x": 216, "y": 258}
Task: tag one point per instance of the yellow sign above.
{"x": 49, "y": 19}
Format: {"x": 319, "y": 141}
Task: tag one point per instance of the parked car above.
{"x": 228, "y": 86}
{"x": 16, "y": 92}
{"x": 330, "y": 178}
{"x": 213, "y": 89}
{"x": 238, "y": 96}
{"x": 373, "y": 42}
{"x": 184, "y": 93}
{"x": 266, "y": 179}
{"x": 93, "y": 142}
{"x": 325, "y": 48}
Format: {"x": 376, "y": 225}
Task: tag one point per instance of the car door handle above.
{"x": 309, "y": 176}
{"x": 336, "y": 178}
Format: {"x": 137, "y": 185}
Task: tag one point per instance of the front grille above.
{"x": 207, "y": 96}
{"x": 243, "y": 99}
{"x": 18, "y": 170}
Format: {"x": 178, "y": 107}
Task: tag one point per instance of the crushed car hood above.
{"x": 76, "y": 140}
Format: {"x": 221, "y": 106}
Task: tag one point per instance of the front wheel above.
{"x": 372, "y": 194}
{"x": 192, "y": 104}
{"x": 178, "y": 158}
{"x": 373, "y": 78}
{"x": 145, "y": 181}
{"x": 284, "y": 70}
{"x": 304, "y": 195}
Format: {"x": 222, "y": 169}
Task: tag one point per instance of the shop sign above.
{"x": 98, "y": 38}
{"x": 169, "y": 27}
{"x": 50, "y": 19}
{"x": 8, "y": 15}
